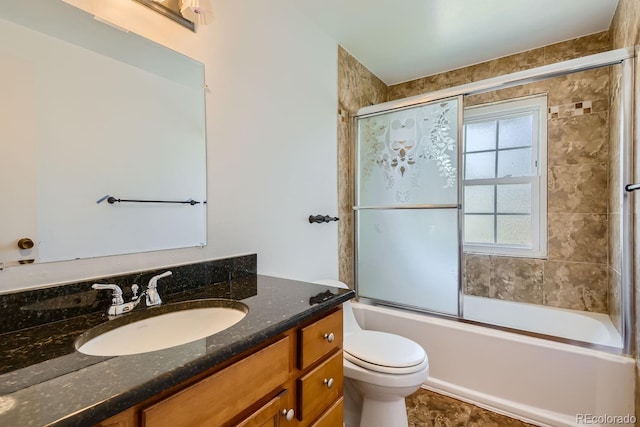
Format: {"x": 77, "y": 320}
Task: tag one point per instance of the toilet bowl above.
{"x": 380, "y": 370}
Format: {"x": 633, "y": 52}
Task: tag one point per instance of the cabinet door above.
{"x": 269, "y": 415}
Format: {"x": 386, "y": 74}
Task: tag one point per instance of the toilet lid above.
{"x": 384, "y": 352}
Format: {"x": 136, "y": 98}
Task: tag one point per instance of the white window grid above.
{"x": 537, "y": 106}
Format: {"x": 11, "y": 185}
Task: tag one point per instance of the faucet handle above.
{"x": 153, "y": 282}
{"x": 134, "y": 289}
{"x": 116, "y": 297}
{"x": 153, "y": 297}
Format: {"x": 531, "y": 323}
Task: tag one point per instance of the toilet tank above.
{"x": 349, "y": 319}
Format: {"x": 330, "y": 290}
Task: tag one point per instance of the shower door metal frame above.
{"x": 626, "y": 230}
{"x": 623, "y": 57}
{"x": 458, "y": 206}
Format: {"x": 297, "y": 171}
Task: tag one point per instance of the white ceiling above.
{"x": 401, "y": 40}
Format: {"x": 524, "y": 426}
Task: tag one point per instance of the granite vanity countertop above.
{"x": 45, "y": 381}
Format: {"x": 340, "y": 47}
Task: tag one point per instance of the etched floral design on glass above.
{"x": 409, "y": 156}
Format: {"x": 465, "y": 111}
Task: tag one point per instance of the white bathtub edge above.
{"x": 525, "y": 413}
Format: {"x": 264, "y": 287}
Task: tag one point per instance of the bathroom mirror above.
{"x": 89, "y": 111}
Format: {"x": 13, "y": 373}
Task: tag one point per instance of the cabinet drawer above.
{"x": 318, "y": 389}
{"x": 225, "y": 394}
{"x": 333, "y": 417}
{"x": 319, "y": 338}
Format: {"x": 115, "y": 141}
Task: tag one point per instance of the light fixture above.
{"x": 170, "y": 11}
{"x": 195, "y": 12}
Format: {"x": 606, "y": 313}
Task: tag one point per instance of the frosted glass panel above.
{"x": 516, "y": 132}
{"x": 514, "y": 198}
{"x": 479, "y": 198}
{"x": 480, "y": 136}
{"x": 479, "y": 229}
{"x": 409, "y": 156}
{"x": 480, "y": 165}
{"x": 514, "y": 229}
{"x": 409, "y": 257}
{"x": 514, "y": 163}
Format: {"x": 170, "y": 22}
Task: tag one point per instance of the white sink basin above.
{"x": 159, "y": 328}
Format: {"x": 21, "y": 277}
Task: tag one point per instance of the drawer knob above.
{"x": 329, "y": 337}
{"x": 288, "y": 414}
{"x": 328, "y": 382}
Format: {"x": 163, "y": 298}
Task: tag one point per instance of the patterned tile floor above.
{"x": 428, "y": 409}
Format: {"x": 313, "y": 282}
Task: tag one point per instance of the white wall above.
{"x": 271, "y": 141}
{"x": 99, "y": 122}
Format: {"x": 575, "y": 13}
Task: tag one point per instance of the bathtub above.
{"x": 594, "y": 328}
{"x": 543, "y": 382}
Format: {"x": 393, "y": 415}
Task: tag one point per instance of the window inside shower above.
{"x": 504, "y": 177}
{"x": 503, "y": 206}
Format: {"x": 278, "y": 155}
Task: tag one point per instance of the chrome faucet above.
{"x": 118, "y": 306}
{"x": 153, "y": 297}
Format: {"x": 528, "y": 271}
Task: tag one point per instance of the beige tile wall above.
{"x": 357, "y": 88}
{"x": 558, "y": 52}
{"x": 574, "y": 275}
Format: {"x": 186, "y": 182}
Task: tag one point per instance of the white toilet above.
{"x": 380, "y": 370}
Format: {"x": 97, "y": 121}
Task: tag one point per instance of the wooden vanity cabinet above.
{"x": 319, "y": 384}
{"x": 294, "y": 381}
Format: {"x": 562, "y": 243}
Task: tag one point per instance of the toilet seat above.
{"x": 385, "y": 353}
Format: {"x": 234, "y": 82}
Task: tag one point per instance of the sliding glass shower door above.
{"x": 407, "y": 206}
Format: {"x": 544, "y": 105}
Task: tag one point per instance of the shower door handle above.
{"x": 632, "y": 187}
